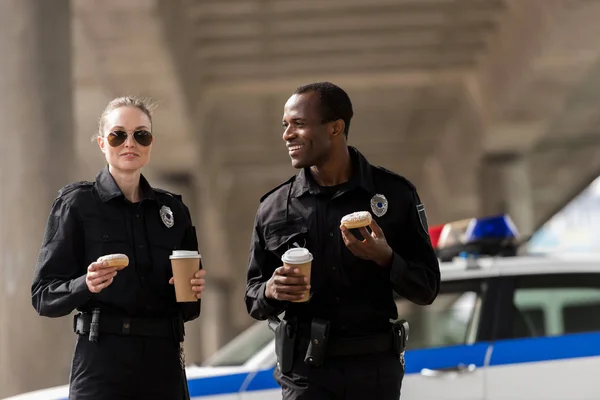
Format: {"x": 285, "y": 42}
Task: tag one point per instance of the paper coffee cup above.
{"x": 300, "y": 258}
{"x": 184, "y": 264}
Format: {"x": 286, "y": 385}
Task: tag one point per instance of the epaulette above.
{"x": 163, "y": 191}
{"x": 277, "y": 187}
{"x": 73, "y": 186}
{"x": 397, "y": 176}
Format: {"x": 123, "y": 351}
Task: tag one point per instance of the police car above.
{"x": 502, "y": 327}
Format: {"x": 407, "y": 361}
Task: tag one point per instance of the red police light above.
{"x": 434, "y": 235}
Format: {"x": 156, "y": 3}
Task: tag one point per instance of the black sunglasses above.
{"x": 117, "y": 138}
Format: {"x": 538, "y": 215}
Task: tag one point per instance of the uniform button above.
{"x": 331, "y": 234}
{"x": 337, "y": 299}
{"x": 104, "y": 237}
{"x": 137, "y": 215}
{"x": 141, "y": 246}
{"x": 334, "y": 267}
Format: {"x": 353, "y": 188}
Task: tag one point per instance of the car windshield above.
{"x": 243, "y": 347}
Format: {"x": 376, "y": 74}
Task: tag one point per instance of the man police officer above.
{"x": 340, "y": 344}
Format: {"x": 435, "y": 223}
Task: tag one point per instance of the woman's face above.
{"x": 130, "y": 155}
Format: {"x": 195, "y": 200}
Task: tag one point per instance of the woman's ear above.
{"x": 101, "y": 143}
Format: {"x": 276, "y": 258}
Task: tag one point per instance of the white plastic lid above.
{"x": 297, "y": 255}
{"x": 185, "y": 254}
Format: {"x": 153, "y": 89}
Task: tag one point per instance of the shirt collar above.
{"x": 108, "y": 189}
{"x": 362, "y": 176}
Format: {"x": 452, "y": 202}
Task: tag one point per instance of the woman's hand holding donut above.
{"x": 99, "y": 276}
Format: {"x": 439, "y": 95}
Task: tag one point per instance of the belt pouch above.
{"x": 319, "y": 333}
{"x": 285, "y": 342}
{"x": 400, "y": 333}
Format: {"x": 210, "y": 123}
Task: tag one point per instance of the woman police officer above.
{"x": 134, "y": 350}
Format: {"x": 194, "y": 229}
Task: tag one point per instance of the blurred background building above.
{"x": 488, "y": 106}
{"x": 575, "y": 229}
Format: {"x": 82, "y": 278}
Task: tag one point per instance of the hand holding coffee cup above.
{"x": 188, "y": 277}
{"x": 197, "y": 282}
{"x": 291, "y": 282}
{"x": 100, "y": 274}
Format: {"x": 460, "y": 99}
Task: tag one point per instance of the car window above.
{"x": 243, "y": 347}
{"x": 552, "y": 305}
{"x": 452, "y": 319}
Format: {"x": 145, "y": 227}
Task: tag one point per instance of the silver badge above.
{"x": 379, "y": 205}
{"x": 167, "y": 216}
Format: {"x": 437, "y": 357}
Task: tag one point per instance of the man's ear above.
{"x": 338, "y": 127}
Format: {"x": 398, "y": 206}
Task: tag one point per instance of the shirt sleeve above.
{"x": 59, "y": 285}
{"x": 190, "y": 311}
{"x": 415, "y": 271}
{"x": 261, "y": 266}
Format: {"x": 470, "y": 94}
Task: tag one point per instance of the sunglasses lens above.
{"x": 143, "y": 137}
{"x": 117, "y": 138}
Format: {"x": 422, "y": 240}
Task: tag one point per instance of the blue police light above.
{"x": 491, "y": 228}
{"x": 488, "y": 236}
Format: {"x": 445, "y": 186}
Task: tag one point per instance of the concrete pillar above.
{"x": 208, "y": 183}
{"x": 506, "y": 188}
{"x": 35, "y": 161}
{"x": 212, "y": 239}
{"x": 518, "y": 192}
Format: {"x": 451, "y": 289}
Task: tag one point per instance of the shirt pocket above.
{"x": 281, "y": 236}
{"x": 101, "y": 241}
{"x": 162, "y": 245}
{"x": 104, "y": 238}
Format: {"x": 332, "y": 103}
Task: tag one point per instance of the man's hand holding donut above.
{"x": 374, "y": 246}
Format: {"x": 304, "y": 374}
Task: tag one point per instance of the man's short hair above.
{"x": 335, "y": 103}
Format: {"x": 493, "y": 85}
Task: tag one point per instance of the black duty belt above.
{"x": 360, "y": 345}
{"x": 118, "y": 325}
{"x": 321, "y": 345}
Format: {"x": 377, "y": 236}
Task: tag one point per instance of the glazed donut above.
{"x": 357, "y": 219}
{"x": 115, "y": 260}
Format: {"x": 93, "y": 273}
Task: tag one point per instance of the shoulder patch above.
{"x": 277, "y": 187}
{"x": 71, "y": 187}
{"x": 397, "y": 176}
{"x": 423, "y": 218}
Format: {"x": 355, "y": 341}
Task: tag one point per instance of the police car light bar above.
{"x": 490, "y": 236}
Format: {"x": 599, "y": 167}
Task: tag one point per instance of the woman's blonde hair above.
{"x": 144, "y": 105}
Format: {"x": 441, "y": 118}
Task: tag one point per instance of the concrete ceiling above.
{"x": 438, "y": 87}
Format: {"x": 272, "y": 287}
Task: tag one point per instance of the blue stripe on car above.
{"x": 505, "y": 352}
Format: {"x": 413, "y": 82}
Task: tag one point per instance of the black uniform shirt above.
{"x": 355, "y": 295}
{"x": 92, "y": 219}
